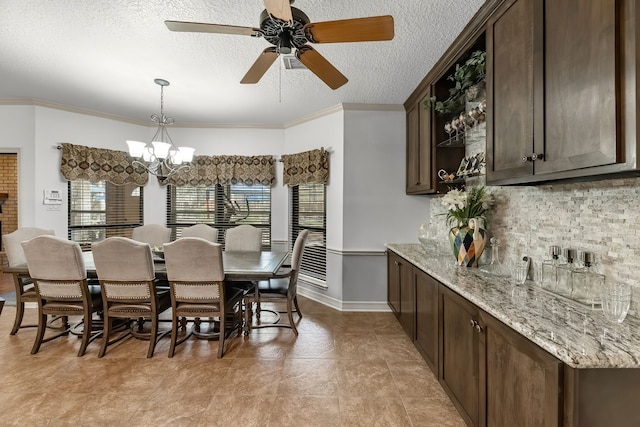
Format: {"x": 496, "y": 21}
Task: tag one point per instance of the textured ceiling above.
{"x": 104, "y": 55}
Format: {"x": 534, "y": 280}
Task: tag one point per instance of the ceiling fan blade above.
{"x": 280, "y": 9}
{"x": 374, "y": 28}
{"x": 262, "y": 64}
{"x": 197, "y": 27}
{"x": 321, "y": 67}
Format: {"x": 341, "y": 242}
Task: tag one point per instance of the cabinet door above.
{"x": 426, "y": 292}
{"x": 419, "y": 149}
{"x": 459, "y": 354}
{"x": 522, "y": 382}
{"x": 393, "y": 282}
{"x": 580, "y": 85}
{"x": 510, "y": 91}
{"x": 407, "y": 298}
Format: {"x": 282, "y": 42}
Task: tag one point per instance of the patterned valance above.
{"x": 100, "y": 164}
{"x": 306, "y": 167}
{"x": 212, "y": 170}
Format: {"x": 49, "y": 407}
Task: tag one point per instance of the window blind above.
{"x": 98, "y": 210}
{"x": 308, "y": 211}
{"x": 221, "y": 206}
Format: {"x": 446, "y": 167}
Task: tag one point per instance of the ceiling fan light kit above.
{"x": 288, "y": 28}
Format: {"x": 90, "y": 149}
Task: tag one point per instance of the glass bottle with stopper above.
{"x": 495, "y": 267}
{"x": 550, "y": 268}
{"x": 587, "y": 284}
{"x": 565, "y": 272}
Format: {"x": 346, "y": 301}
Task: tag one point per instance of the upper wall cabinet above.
{"x": 419, "y": 151}
{"x": 432, "y": 146}
{"x": 561, "y": 90}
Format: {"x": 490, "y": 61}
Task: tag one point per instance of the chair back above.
{"x": 12, "y": 243}
{"x": 195, "y": 270}
{"x": 153, "y": 234}
{"x": 125, "y": 268}
{"x": 243, "y": 238}
{"x": 57, "y": 267}
{"x": 203, "y": 231}
{"x": 298, "y": 249}
{"x": 296, "y": 260}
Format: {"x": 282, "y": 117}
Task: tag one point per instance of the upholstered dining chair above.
{"x": 203, "y": 231}
{"x": 282, "y": 288}
{"x": 155, "y": 235}
{"x": 59, "y": 276}
{"x": 127, "y": 279}
{"x": 25, "y": 291}
{"x": 243, "y": 238}
{"x": 196, "y": 279}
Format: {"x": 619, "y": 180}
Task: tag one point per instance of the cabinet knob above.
{"x": 533, "y": 157}
{"x": 473, "y": 323}
{"x": 478, "y": 327}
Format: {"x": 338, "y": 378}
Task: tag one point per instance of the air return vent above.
{"x": 290, "y": 62}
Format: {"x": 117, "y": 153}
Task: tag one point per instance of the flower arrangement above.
{"x": 465, "y": 204}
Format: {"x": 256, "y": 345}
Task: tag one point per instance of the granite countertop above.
{"x": 575, "y": 334}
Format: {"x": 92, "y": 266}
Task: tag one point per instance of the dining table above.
{"x": 238, "y": 266}
{"x": 248, "y": 266}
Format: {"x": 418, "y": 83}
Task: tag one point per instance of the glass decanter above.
{"x": 550, "y": 269}
{"x": 495, "y": 266}
{"x": 587, "y": 284}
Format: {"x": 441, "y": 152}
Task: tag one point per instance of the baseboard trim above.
{"x": 371, "y": 306}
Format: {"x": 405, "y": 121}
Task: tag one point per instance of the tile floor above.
{"x": 344, "y": 369}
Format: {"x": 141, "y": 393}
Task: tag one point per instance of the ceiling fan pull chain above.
{"x": 280, "y": 83}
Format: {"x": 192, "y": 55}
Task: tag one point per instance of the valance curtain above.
{"x": 212, "y": 170}
{"x": 100, "y": 164}
{"x": 306, "y": 167}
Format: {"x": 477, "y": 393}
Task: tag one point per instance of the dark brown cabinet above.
{"x": 497, "y": 377}
{"x": 557, "y": 79}
{"x": 400, "y": 291}
{"x": 459, "y": 368}
{"x": 494, "y": 376}
{"x": 419, "y": 150}
{"x": 426, "y": 334}
{"x": 393, "y": 282}
{"x": 522, "y": 383}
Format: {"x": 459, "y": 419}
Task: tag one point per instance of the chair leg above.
{"x": 174, "y": 335}
{"x": 105, "y": 335}
{"x": 295, "y": 301}
{"x": 153, "y": 338}
{"x": 19, "y": 317}
{"x": 290, "y": 314}
{"x": 86, "y": 335}
{"x": 223, "y": 321}
{"x": 42, "y": 326}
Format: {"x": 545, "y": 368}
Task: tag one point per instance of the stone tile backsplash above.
{"x": 602, "y": 217}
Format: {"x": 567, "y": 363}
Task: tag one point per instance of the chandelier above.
{"x": 161, "y": 157}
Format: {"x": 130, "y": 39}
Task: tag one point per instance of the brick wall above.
{"x": 9, "y": 185}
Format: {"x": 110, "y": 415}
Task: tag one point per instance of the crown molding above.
{"x": 195, "y": 125}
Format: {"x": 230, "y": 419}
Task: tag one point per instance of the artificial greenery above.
{"x": 472, "y": 72}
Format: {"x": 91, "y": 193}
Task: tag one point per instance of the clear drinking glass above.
{"x": 616, "y": 299}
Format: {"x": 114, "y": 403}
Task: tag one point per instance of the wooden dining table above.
{"x": 237, "y": 265}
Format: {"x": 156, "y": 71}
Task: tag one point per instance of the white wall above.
{"x": 17, "y": 123}
{"x": 376, "y": 208}
{"x": 327, "y": 132}
{"x": 366, "y": 202}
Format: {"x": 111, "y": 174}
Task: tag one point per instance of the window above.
{"x": 98, "y": 210}
{"x": 221, "y": 206}
{"x": 308, "y": 211}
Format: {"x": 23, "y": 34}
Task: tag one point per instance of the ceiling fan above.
{"x": 288, "y": 28}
